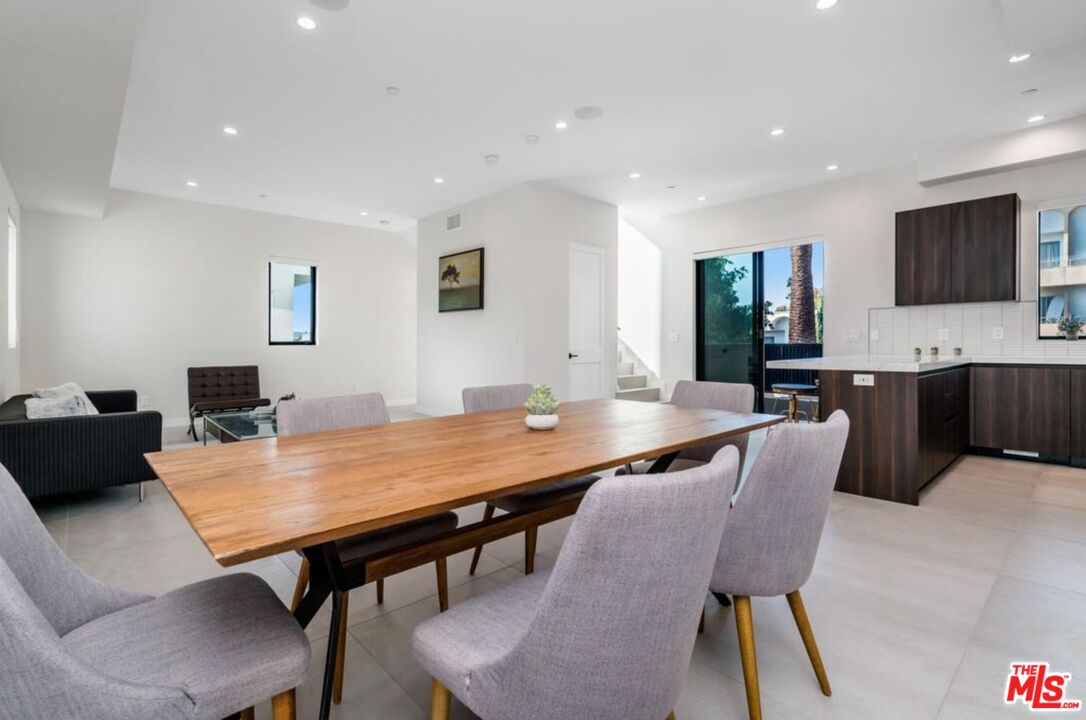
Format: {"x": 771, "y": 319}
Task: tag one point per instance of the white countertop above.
{"x": 890, "y": 363}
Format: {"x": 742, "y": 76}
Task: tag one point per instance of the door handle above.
{"x": 573, "y": 355}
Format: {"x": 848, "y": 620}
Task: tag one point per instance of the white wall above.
{"x": 855, "y": 219}
{"x": 158, "y": 285}
{"x": 9, "y": 358}
{"x": 522, "y": 334}
{"x": 640, "y": 293}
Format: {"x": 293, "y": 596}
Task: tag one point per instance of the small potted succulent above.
{"x": 542, "y": 409}
{"x": 1070, "y": 326}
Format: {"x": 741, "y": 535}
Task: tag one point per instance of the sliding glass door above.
{"x": 759, "y": 306}
{"x": 729, "y": 318}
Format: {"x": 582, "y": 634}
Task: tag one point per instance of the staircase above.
{"x": 635, "y": 381}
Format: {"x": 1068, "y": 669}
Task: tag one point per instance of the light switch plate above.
{"x": 673, "y": 337}
{"x": 875, "y": 334}
{"x": 997, "y": 333}
{"x": 863, "y": 380}
{"x": 944, "y": 334}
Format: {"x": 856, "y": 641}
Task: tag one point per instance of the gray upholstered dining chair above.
{"x": 731, "y": 397}
{"x": 297, "y": 417}
{"x": 73, "y": 647}
{"x": 770, "y": 543}
{"x": 608, "y": 633}
{"x": 502, "y": 397}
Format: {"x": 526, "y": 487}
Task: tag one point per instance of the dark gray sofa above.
{"x": 71, "y": 454}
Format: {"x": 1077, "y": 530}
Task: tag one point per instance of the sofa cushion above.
{"x": 38, "y": 408}
{"x": 70, "y": 389}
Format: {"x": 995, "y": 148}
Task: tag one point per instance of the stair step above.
{"x": 632, "y": 382}
{"x": 625, "y": 368}
{"x": 645, "y": 394}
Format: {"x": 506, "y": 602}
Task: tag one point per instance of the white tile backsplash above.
{"x": 969, "y": 326}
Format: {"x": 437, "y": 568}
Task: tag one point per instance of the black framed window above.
{"x": 292, "y": 303}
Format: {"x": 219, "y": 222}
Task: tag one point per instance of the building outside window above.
{"x": 1061, "y": 259}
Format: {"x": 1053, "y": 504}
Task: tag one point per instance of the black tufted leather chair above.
{"x": 222, "y": 388}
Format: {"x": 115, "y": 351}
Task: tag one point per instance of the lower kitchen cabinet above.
{"x": 905, "y": 428}
{"x": 1028, "y": 409}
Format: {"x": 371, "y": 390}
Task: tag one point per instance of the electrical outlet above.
{"x": 875, "y": 334}
{"x": 145, "y": 402}
{"x": 673, "y": 337}
{"x": 864, "y": 380}
{"x": 997, "y": 333}
{"x": 944, "y": 334}
{"x": 516, "y": 338}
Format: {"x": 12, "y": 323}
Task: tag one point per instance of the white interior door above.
{"x": 587, "y": 280}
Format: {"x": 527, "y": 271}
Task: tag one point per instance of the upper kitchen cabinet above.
{"x": 962, "y": 252}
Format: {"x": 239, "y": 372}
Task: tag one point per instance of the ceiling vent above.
{"x": 452, "y": 222}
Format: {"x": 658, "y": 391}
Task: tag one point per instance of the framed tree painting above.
{"x": 460, "y": 281}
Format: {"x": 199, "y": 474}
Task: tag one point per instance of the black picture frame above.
{"x": 464, "y": 300}
{"x": 312, "y": 309}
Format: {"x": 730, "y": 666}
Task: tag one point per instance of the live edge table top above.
{"x": 252, "y": 500}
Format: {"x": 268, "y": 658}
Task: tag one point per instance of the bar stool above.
{"x": 794, "y": 391}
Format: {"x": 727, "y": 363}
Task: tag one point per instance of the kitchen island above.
{"x": 911, "y": 418}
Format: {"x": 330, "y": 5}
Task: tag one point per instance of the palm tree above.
{"x": 802, "y": 327}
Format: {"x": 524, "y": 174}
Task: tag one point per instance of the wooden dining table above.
{"x": 252, "y": 500}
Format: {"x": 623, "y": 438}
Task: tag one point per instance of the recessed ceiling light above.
{"x": 561, "y": 125}
{"x": 384, "y": 222}
{"x": 230, "y": 130}
{"x": 191, "y": 183}
{"x": 492, "y": 159}
{"x": 439, "y": 180}
{"x": 531, "y": 139}
{"x": 635, "y": 175}
{"x": 702, "y": 198}
{"x": 307, "y": 23}
{"x": 392, "y": 90}
{"x": 1020, "y": 57}
{"x": 671, "y": 187}
{"x": 1036, "y": 118}
{"x": 831, "y": 167}
{"x": 776, "y": 132}
{"x": 825, "y": 4}
{"x": 363, "y": 213}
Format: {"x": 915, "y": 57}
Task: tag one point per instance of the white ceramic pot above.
{"x": 541, "y": 422}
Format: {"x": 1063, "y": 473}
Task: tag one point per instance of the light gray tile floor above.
{"x": 918, "y": 611}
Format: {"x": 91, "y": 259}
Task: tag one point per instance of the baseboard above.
{"x": 434, "y": 411}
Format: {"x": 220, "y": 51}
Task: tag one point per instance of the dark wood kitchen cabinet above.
{"x": 1024, "y": 409}
{"x": 1078, "y": 416}
{"x": 904, "y": 430}
{"x": 961, "y": 252}
{"x": 924, "y": 255}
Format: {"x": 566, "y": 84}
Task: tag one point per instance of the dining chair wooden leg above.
{"x": 341, "y": 652}
{"x": 488, "y": 513}
{"x": 283, "y": 706}
{"x": 530, "y": 536}
{"x": 442, "y": 567}
{"x": 248, "y": 714}
{"x": 440, "y": 700}
{"x": 799, "y": 612}
{"x": 381, "y": 591}
{"x": 744, "y": 623}
{"x": 671, "y": 716}
{"x": 301, "y": 585}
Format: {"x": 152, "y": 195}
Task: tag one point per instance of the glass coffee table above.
{"x": 231, "y": 427}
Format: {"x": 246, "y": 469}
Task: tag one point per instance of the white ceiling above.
{"x": 63, "y": 76}
{"x": 690, "y": 90}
